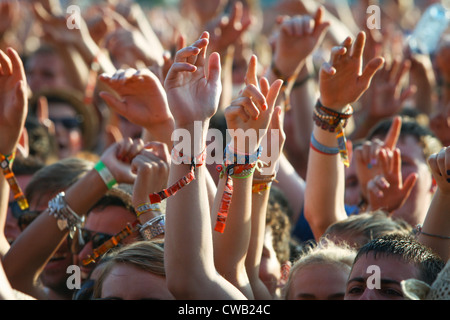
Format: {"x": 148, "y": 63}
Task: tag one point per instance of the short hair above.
{"x": 407, "y": 248}
{"x": 368, "y": 226}
{"x": 57, "y": 177}
{"x": 325, "y": 252}
{"x": 410, "y": 127}
{"x": 145, "y": 255}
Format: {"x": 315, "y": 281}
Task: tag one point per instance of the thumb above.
{"x": 113, "y": 102}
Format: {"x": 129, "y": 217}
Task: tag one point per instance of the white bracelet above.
{"x": 105, "y": 174}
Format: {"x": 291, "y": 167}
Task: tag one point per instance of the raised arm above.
{"x": 142, "y": 100}
{"x": 436, "y": 227}
{"x": 249, "y": 116}
{"x": 13, "y": 111}
{"x": 341, "y": 82}
{"x": 36, "y": 245}
{"x": 193, "y": 91}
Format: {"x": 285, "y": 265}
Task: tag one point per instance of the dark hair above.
{"x": 410, "y": 250}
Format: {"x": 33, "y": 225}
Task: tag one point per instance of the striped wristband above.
{"x": 105, "y": 174}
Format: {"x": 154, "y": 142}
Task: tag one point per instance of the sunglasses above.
{"x": 68, "y": 122}
{"x": 85, "y": 236}
{"x": 24, "y": 217}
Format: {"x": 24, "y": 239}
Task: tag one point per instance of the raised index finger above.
{"x": 250, "y": 77}
{"x": 394, "y": 132}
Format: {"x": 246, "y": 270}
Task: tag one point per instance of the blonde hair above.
{"x": 145, "y": 255}
{"x": 326, "y": 252}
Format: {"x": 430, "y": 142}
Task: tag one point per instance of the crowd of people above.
{"x": 224, "y": 149}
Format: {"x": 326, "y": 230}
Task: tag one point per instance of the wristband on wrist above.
{"x": 147, "y": 207}
{"x": 318, "y": 147}
{"x": 6, "y": 166}
{"x": 105, "y": 174}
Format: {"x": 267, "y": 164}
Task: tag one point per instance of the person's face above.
{"x": 270, "y": 267}
{"x": 319, "y": 282}
{"x": 413, "y": 161}
{"x": 67, "y": 128}
{"x": 128, "y": 282}
{"x": 110, "y": 220}
{"x": 392, "y": 270}
{"x": 45, "y": 71}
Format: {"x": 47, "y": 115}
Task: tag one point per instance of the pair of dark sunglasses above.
{"x": 24, "y": 217}
{"x": 68, "y": 122}
{"x": 84, "y": 236}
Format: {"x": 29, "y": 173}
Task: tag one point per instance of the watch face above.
{"x": 4, "y": 164}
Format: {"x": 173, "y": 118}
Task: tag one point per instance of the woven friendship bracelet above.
{"x": 114, "y": 241}
{"x": 184, "y": 181}
{"x": 240, "y": 166}
{"x": 147, "y": 207}
{"x": 6, "y": 165}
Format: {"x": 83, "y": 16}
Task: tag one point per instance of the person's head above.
{"x": 416, "y": 144}
{"x": 45, "y": 69}
{"x": 133, "y": 272}
{"x": 276, "y": 249}
{"x": 359, "y": 229}
{"x": 320, "y": 272}
{"x": 76, "y": 124}
{"x": 23, "y": 169}
{"x": 383, "y": 263}
{"x": 43, "y": 186}
{"x": 105, "y": 219}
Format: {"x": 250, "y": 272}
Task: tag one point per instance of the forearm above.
{"x": 255, "y": 248}
{"x": 437, "y": 222}
{"x": 231, "y": 246}
{"x": 4, "y": 197}
{"x": 36, "y": 245}
{"x": 324, "y": 194}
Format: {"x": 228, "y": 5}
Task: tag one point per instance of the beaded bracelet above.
{"x": 184, "y": 181}
{"x": 6, "y": 165}
{"x": 333, "y": 121}
{"x": 114, "y": 241}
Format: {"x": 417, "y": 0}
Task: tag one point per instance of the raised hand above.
{"x": 252, "y": 109}
{"x": 229, "y": 29}
{"x": 342, "y": 81}
{"x": 299, "y": 36}
{"x": 388, "y": 191}
{"x": 193, "y": 87}
{"x": 13, "y": 100}
{"x": 366, "y": 155}
{"x": 143, "y": 99}
{"x": 386, "y": 97}
{"x": 440, "y": 168}
{"x": 118, "y": 157}
{"x": 151, "y": 167}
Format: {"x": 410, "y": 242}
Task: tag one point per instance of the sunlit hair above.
{"x": 325, "y": 252}
{"x": 145, "y": 255}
